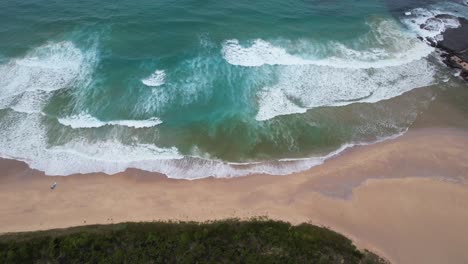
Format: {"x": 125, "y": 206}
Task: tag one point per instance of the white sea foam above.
{"x": 84, "y": 120}
{"x": 81, "y": 121}
{"x": 304, "y": 87}
{"x": 194, "y": 85}
{"x": 47, "y": 68}
{"x": 425, "y": 24}
{"x": 157, "y": 78}
{"x": 30, "y": 102}
{"x": 393, "y": 65}
{"x": 26, "y": 139}
{"x": 154, "y": 121}
{"x": 259, "y": 53}
{"x": 274, "y": 102}
{"x": 25, "y": 83}
{"x": 388, "y": 45}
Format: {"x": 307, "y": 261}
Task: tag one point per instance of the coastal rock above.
{"x": 454, "y": 41}
{"x": 456, "y": 62}
{"x": 438, "y": 22}
{"x": 431, "y": 42}
{"x": 464, "y": 75}
{"x": 445, "y": 16}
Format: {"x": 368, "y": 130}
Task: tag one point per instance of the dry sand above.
{"x": 406, "y": 199}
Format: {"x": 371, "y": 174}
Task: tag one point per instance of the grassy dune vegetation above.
{"x": 227, "y": 241}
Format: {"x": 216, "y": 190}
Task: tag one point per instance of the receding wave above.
{"x": 87, "y": 121}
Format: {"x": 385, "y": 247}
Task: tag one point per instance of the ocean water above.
{"x": 212, "y": 88}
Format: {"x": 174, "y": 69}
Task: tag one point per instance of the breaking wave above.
{"x": 26, "y": 83}
{"x": 112, "y": 156}
{"x": 87, "y": 121}
{"x": 157, "y": 78}
{"x": 303, "y": 87}
{"x": 387, "y": 45}
{"x": 26, "y": 139}
{"x": 393, "y": 62}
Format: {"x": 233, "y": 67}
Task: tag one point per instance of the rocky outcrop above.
{"x": 457, "y": 62}
{"x": 453, "y": 41}
{"x": 455, "y": 45}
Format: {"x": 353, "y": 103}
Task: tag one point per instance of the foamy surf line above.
{"x": 88, "y": 121}
{"x": 386, "y": 44}
{"x": 110, "y": 157}
{"x": 264, "y": 53}
{"x": 193, "y": 168}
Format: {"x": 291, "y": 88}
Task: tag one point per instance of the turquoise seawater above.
{"x": 210, "y": 88}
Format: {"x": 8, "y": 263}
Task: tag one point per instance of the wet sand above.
{"x": 406, "y": 199}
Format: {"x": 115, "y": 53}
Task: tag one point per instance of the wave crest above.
{"x": 87, "y": 121}
{"x": 26, "y": 82}
{"x": 157, "y": 78}
{"x": 388, "y": 45}
{"x": 303, "y": 87}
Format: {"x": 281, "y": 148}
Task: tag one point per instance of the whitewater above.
{"x": 218, "y": 103}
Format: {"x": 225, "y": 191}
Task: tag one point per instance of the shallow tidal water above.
{"x": 214, "y": 88}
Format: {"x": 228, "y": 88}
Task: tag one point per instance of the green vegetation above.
{"x": 228, "y": 241}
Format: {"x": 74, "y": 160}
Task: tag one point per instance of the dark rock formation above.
{"x": 464, "y": 75}
{"x": 455, "y": 44}
{"x": 445, "y": 16}
{"x": 456, "y": 40}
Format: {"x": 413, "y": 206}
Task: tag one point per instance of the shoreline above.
{"x": 313, "y": 161}
{"x": 277, "y": 167}
{"x": 377, "y": 195}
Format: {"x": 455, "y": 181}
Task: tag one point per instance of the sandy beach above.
{"x": 405, "y": 199}
{"x": 350, "y": 115}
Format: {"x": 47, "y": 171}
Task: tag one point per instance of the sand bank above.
{"x": 406, "y": 199}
